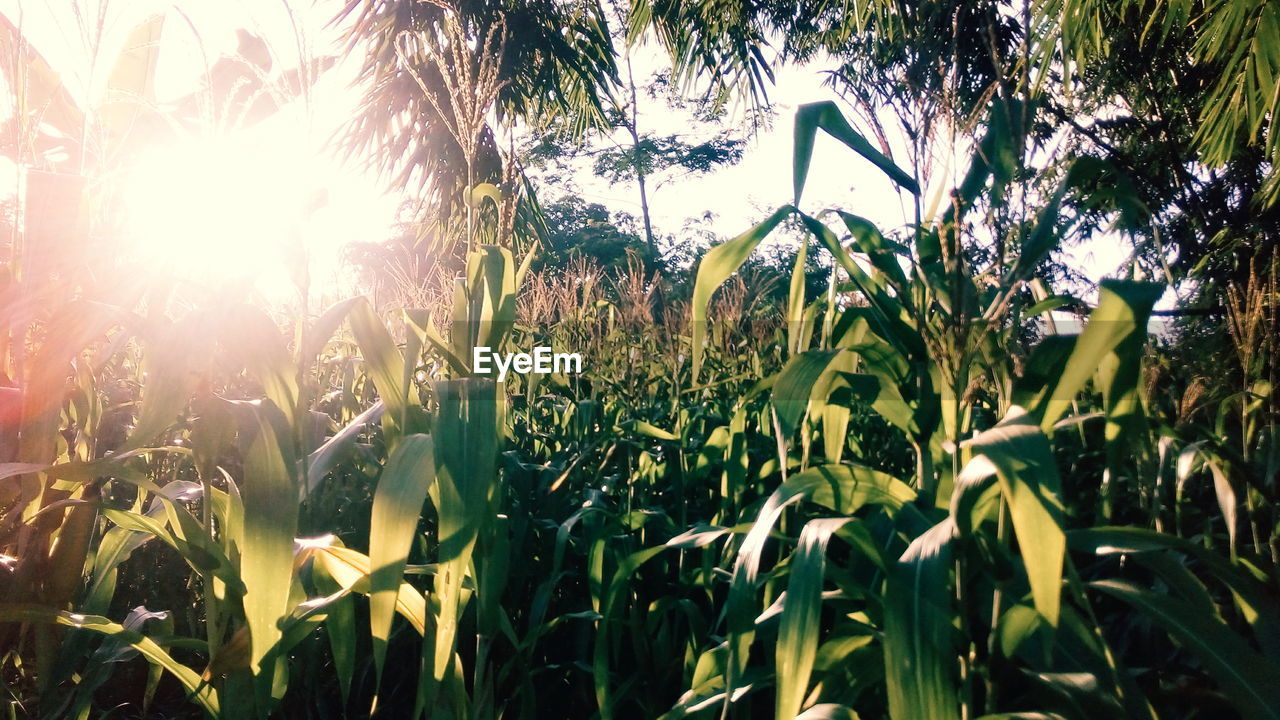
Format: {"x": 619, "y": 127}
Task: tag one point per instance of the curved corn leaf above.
{"x": 323, "y": 459}
{"x": 888, "y": 315}
{"x": 1023, "y": 716}
{"x": 842, "y": 488}
{"x": 919, "y": 654}
{"x": 169, "y": 362}
{"x": 826, "y": 115}
{"x": 883, "y": 253}
{"x": 320, "y": 331}
{"x": 716, "y": 266}
{"x": 202, "y": 693}
{"x": 794, "y": 385}
{"x": 800, "y": 624}
{"x": 393, "y": 522}
{"x": 1123, "y": 310}
{"x": 384, "y": 364}
{"x": 340, "y": 626}
{"x": 828, "y": 711}
{"x": 1248, "y": 678}
{"x": 131, "y": 85}
{"x": 350, "y": 569}
{"x": 1223, "y": 489}
{"x": 1023, "y": 463}
{"x": 1256, "y": 600}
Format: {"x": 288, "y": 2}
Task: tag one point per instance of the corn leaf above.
{"x": 800, "y": 624}
{"x": 716, "y": 266}
{"x": 384, "y": 364}
{"x": 466, "y": 436}
{"x": 131, "y": 84}
{"x": 1028, "y": 478}
{"x": 397, "y": 502}
{"x": 202, "y": 693}
{"x": 270, "y": 523}
{"x": 1123, "y": 309}
{"x": 1247, "y": 677}
{"x": 826, "y": 115}
{"x": 919, "y": 654}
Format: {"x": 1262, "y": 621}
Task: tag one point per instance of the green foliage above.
{"x": 577, "y": 228}
{"x": 907, "y": 496}
{"x": 656, "y": 154}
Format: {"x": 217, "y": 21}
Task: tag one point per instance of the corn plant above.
{"x": 914, "y": 571}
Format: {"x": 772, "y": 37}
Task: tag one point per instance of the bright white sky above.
{"x": 288, "y": 153}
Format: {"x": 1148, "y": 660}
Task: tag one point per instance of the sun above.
{"x": 217, "y": 209}
{"x": 266, "y": 209}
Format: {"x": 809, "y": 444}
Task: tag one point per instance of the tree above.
{"x": 646, "y": 160}
{"x": 1107, "y": 77}
{"x": 577, "y": 227}
{"x": 434, "y": 71}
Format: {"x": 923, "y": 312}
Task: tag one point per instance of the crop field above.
{"x": 541, "y": 458}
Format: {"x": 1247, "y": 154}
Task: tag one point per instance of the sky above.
{"x": 287, "y": 158}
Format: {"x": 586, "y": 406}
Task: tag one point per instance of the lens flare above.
{"x": 216, "y": 210}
